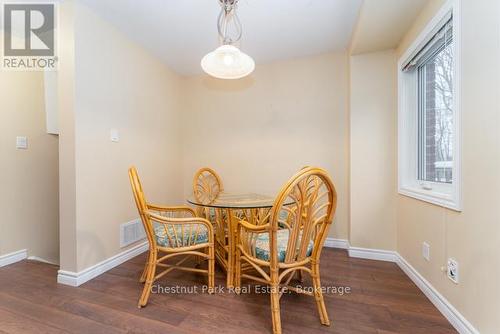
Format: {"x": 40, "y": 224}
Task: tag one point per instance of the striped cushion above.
{"x": 262, "y": 246}
{"x": 193, "y": 234}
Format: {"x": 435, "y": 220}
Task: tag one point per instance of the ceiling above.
{"x": 181, "y": 32}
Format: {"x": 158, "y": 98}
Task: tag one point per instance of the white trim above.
{"x": 13, "y": 257}
{"x": 456, "y": 319}
{"x": 39, "y": 259}
{"x": 373, "y": 254}
{"x": 448, "y": 196}
{"x": 336, "y": 243}
{"x": 441, "y": 199}
{"x": 362, "y": 253}
{"x": 442, "y": 304}
{"x": 76, "y": 279}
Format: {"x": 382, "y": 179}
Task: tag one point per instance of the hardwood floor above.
{"x": 382, "y": 300}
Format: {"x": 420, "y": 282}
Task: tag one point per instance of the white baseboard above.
{"x": 13, "y": 257}
{"x": 39, "y": 259}
{"x": 442, "y": 304}
{"x": 456, "y": 319}
{"x": 373, "y": 254}
{"x": 78, "y": 278}
{"x": 336, "y": 243}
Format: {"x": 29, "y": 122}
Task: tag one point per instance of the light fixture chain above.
{"x": 226, "y": 17}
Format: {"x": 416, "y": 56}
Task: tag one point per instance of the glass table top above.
{"x": 237, "y": 201}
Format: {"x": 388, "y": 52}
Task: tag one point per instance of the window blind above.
{"x": 438, "y": 40}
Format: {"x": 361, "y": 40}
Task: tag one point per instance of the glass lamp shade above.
{"x": 227, "y": 62}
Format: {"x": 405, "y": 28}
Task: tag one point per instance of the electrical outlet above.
{"x": 426, "y": 251}
{"x": 452, "y": 270}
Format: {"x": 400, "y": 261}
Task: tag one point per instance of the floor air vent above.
{"x": 131, "y": 232}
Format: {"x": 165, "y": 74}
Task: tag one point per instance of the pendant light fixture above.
{"x": 227, "y": 61}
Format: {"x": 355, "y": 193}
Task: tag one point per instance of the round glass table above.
{"x": 221, "y": 212}
{"x": 236, "y": 201}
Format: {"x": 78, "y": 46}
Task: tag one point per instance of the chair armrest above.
{"x": 253, "y": 228}
{"x": 180, "y": 221}
{"x": 172, "y": 209}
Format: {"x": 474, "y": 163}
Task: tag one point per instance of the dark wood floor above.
{"x": 382, "y": 300}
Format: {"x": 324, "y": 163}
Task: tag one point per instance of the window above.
{"x": 428, "y": 115}
{"x": 435, "y": 110}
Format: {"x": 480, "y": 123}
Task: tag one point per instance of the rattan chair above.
{"x": 289, "y": 239}
{"x": 207, "y": 186}
{"x": 172, "y": 232}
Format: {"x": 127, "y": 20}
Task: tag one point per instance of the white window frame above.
{"x": 445, "y": 195}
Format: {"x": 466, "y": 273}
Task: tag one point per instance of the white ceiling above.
{"x": 181, "y": 32}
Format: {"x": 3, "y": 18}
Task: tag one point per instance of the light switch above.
{"x": 114, "y": 136}
{"x": 426, "y": 251}
{"x": 21, "y": 142}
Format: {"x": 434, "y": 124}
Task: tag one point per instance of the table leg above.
{"x": 231, "y": 249}
{"x": 252, "y": 215}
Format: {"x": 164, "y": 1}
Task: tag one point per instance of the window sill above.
{"x": 431, "y": 196}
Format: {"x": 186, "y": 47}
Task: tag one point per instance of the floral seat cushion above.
{"x": 262, "y": 246}
{"x": 193, "y": 234}
{"x": 283, "y": 216}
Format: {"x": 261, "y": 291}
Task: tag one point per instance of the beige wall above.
{"x": 117, "y": 85}
{"x": 29, "y": 195}
{"x": 66, "y": 110}
{"x": 258, "y": 131}
{"x": 472, "y": 236}
{"x": 373, "y": 174}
